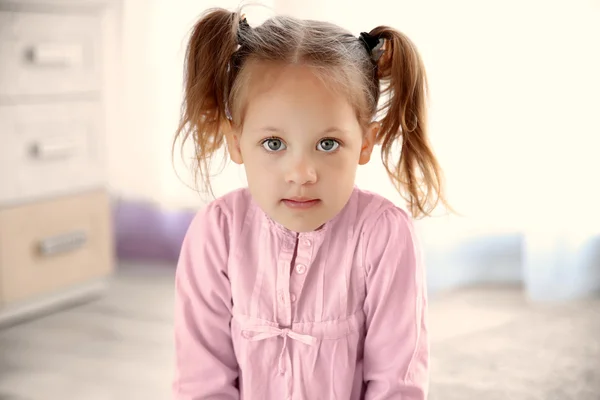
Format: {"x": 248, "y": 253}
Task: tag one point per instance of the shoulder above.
{"x": 377, "y": 214}
{"x": 387, "y": 230}
{"x": 221, "y": 215}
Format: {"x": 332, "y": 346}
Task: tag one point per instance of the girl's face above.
{"x": 300, "y": 144}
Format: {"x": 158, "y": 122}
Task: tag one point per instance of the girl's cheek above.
{"x": 270, "y": 161}
{"x": 336, "y": 161}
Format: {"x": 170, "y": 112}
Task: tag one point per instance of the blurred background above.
{"x": 93, "y": 207}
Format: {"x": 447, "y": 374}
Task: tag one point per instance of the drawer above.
{"x": 53, "y": 245}
{"x": 49, "y": 149}
{"x": 49, "y": 54}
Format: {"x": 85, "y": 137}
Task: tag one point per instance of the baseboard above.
{"x": 23, "y": 311}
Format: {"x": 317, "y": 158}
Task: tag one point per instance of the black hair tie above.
{"x": 243, "y": 27}
{"x": 373, "y": 44}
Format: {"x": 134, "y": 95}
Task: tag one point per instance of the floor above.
{"x": 487, "y": 343}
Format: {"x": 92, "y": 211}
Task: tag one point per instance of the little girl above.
{"x": 303, "y": 286}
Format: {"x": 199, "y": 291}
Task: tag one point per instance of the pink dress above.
{"x": 265, "y": 313}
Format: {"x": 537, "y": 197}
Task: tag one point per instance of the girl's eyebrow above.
{"x": 333, "y": 129}
{"x": 272, "y": 129}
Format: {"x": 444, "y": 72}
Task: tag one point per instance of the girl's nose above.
{"x": 302, "y": 172}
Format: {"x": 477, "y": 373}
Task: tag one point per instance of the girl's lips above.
{"x": 301, "y": 203}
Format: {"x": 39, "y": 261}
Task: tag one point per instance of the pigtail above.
{"x": 416, "y": 174}
{"x": 207, "y": 79}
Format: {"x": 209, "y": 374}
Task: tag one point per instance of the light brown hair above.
{"x": 222, "y": 45}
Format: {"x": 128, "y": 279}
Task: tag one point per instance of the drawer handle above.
{"x": 62, "y": 243}
{"x": 52, "y": 150}
{"x": 55, "y": 55}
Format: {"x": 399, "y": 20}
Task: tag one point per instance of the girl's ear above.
{"x": 369, "y": 140}
{"x": 232, "y": 136}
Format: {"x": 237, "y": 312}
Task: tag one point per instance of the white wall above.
{"x": 515, "y": 101}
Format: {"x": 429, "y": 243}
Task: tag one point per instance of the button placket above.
{"x": 300, "y": 268}
{"x": 282, "y": 303}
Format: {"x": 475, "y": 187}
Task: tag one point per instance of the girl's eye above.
{"x": 273, "y": 145}
{"x": 328, "y": 145}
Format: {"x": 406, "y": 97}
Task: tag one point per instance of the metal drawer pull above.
{"x": 62, "y": 243}
{"x": 55, "y": 55}
{"x": 52, "y": 150}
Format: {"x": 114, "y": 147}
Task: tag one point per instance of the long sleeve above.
{"x": 205, "y": 363}
{"x": 396, "y": 352}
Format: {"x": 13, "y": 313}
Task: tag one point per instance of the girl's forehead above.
{"x": 265, "y": 77}
{"x": 285, "y": 93}
{"x": 276, "y": 81}
{"x": 295, "y": 89}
